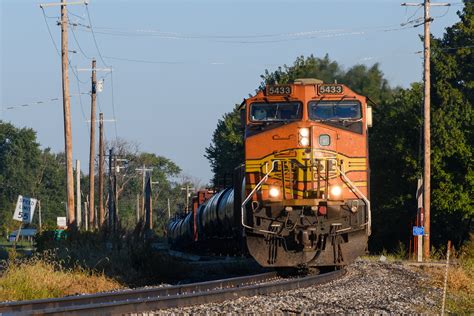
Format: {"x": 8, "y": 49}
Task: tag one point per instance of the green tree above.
{"x": 129, "y": 183}
{"x": 227, "y": 149}
{"x": 19, "y": 164}
{"x": 310, "y": 67}
{"x": 453, "y": 129}
{"x": 27, "y": 170}
{"x": 396, "y": 150}
{"x": 52, "y": 187}
{"x": 360, "y": 78}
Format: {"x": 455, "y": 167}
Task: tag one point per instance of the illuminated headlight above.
{"x": 336, "y": 191}
{"x": 304, "y": 132}
{"x": 274, "y": 192}
{"x": 304, "y": 136}
{"x": 304, "y": 141}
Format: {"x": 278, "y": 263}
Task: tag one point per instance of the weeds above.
{"x": 460, "y": 285}
{"x": 43, "y": 276}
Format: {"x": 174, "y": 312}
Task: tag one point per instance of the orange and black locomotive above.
{"x": 301, "y": 197}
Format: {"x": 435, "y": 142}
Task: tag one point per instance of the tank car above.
{"x": 301, "y": 197}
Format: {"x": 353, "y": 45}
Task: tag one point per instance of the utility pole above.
{"x": 427, "y": 133}
{"x": 138, "y": 208}
{"x": 169, "y": 209}
{"x": 67, "y": 112}
{"x": 66, "y": 107}
{"x": 148, "y": 204}
{"x": 151, "y": 201}
{"x": 143, "y": 170}
{"x": 92, "y": 147}
{"x": 86, "y": 221}
{"x": 111, "y": 191}
{"x": 101, "y": 169}
{"x": 187, "y": 189}
{"x": 427, "y": 122}
{"x": 78, "y": 195}
{"x": 39, "y": 213}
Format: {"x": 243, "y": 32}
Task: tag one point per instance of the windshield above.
{"x": 334, "y": 110}
{"x": 275, "y": 111}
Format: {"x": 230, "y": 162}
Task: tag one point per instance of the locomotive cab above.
{"x": 305, "y": 200}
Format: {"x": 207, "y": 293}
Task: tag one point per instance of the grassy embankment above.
{"x": 86, "y": 262}
{"x": 44, "y": 277}
{"x": 460, "y": 285}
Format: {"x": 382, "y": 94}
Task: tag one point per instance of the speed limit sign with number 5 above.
{"x": 25, "y": 208}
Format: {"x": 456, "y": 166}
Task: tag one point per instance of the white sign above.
{"x": 61, "y": 222}
{"x": 25, "y": 209}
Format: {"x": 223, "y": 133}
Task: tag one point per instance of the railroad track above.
{"x": 149, "y": 299}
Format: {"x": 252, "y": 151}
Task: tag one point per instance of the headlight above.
{"x": 336, "y": 191}
{"x": 304, "y": 141}
{"x": 304, "y": 136}
{"x": 304, "y": 132}
{"x": 274, "y": 192}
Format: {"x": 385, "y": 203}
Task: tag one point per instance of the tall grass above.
{"x": 460, "y": 289}
{"x": 42, "y": 276}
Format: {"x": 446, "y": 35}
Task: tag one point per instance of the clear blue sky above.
{"x": 202, "y": 58}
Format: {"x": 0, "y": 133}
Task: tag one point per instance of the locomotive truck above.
{"x": 301, "y": 196}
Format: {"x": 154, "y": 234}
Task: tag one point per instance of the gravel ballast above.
{"x": 368, "y": 287}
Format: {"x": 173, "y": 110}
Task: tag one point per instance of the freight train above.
{"x": 301, "y": 196}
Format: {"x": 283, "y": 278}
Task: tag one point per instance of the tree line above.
{"x": 29, "y": 170}
{"x": 395, "y": 141}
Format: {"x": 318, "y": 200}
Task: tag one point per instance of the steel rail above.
{"x": 41, "y": 304}
{"x": 168, "y": 297}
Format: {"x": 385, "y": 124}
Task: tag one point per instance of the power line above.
{"x": 49, "y": 32}
{"x": 113, "y": 104}
{"x": 77, "y": 16}
{"x": 80, "y": 101}
{"x": 93, "y": 36}
{"x": 106, "y": 65}
{"x": 56, "y": 46}
{"x": 411, "y": 16}
{"x": 43, "y": 101}
{"x": 147, "y": 61}
{"x": 98, "y": 103}
{"x": 78, "y": 45}
{"x": 269, "y": 38}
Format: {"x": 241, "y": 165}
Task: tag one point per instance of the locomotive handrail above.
{"x": 367, "y": 202}
{"x": 259, "y": 184}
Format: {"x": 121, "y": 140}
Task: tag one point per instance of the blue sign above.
{"x": 418, "y": 230}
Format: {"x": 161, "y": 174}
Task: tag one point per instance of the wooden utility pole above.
{"x": 86, "y": 215}
{"x": 101, "y": 169}
{"x": 427, "y": 134}
{"x": 187, "y": 189}
{"x": 66, "y": 106}
{"x": 92, "y": 147}
{"x": 67, "y": 113}
{"x": 39, "y": 213}
{"x": 169, "y": 209}
{"x": 138, "y": 208}
{"x": 112, "y": 192}
{"x": 78, "y": 195}
{"x": 144, "y": 171}
{"x": 148, "y": 204}
{"x": 427, "y": 123}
